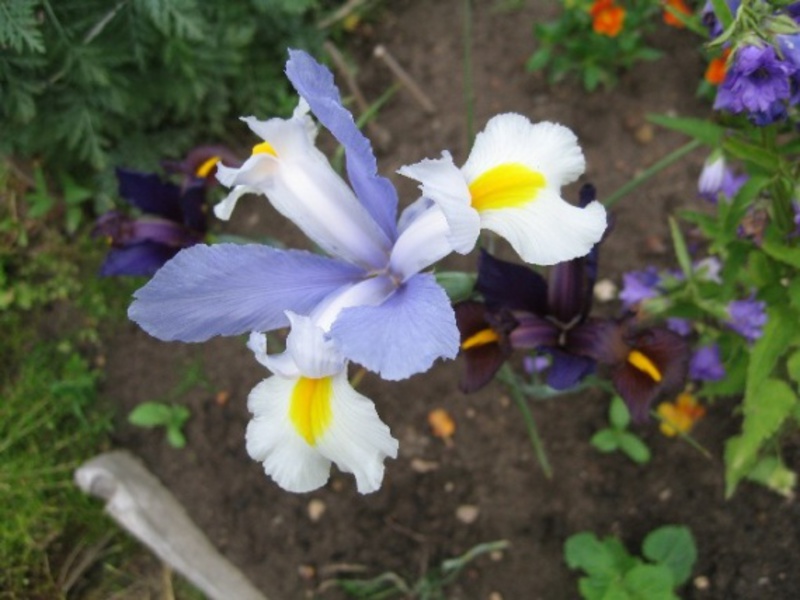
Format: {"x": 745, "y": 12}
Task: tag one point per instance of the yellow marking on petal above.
{"x": 310, "y": 407}
{"x": 264, "y": 148}
{"x": 644, "y": 364}
{"x": 204, "y": 169}
{"x": 505, "y": 186}
{"x": 483, "y": 337}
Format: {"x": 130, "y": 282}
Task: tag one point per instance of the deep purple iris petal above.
{"x": 193, "y": 206}
{"x": 149, "y": 193}
{"x": 568, "y": 370}
{"x": 510, "y": 286}
{"x": 567, "y": 295}
{"x": 162, "y": 231}
{"x": 144, "y": 258}
{"x": 598, "y": 339}
{"x": 533, "y": 331}
{"x": 636, "y": 389}
{"x": 229, "y": 289}
{"x": 481, "y": 362}
{"x": 404, "y": 334}
{"x": 315, "y": 84}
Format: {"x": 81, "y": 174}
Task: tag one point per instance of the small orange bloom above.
{"x": 681, "y": 416}
{"x": 715, "y": 73}
{"x": 607, "y": 17}
{"x": 679, "y": 6}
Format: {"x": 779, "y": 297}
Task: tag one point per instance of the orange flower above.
{"x": 679, "y": 6}
{"x": 715, "y": 73}
{"x": 679, "y": 417}
{"x": 607, "y": 17}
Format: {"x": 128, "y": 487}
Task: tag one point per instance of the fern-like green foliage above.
{"x": 88, "y": 84}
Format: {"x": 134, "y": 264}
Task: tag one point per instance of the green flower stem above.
{"x": 723, "y": 12}
{"x": 512, "y": 383}
{"x": 662, "y": 164}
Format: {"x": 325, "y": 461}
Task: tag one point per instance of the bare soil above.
{"x": 747, "y": 545}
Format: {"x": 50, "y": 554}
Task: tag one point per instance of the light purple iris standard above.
{"x": 706, "y": 364}
{"x": 370, "y": 297}
{"x": 758, "y": 83}
{"x": 747, "y": 318}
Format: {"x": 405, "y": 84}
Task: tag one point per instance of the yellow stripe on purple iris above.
{"x": 204, "y": 169}
{"x": 310, "y": 407}
{"x": 483, "y": 337}
{"x": 645, "y": 365}
{"x": 505, "y": 186}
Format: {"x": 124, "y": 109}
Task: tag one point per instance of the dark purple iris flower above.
{"x": 758, "y": 83}
{"x": 173, "y": 216}
{"x": 171, "y": 220}
{"x": 522, "y": 310}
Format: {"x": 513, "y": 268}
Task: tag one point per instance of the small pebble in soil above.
{"x": 419, "y": 465}
{"x": 316, "y": 508}
{"x": 470, "y": 412}
{"x": 222, "y": 397}
{"x": 701, "y": 582}
{"x": 495, "y": 596}
{"x": 644, "y": 134}
{"x": 605, "y": 290}
{"x": 504, "y": 401}
{"x": 496, "y": 555}
{"x": 449, "y": 487}
{"x": 665, "y": 494}
{"x": 655, "y": 244}
{"x": 306, "y": 572}
{"x": 467, "y": 513}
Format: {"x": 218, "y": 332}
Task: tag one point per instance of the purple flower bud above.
{"x": 706, "y": 365}
{"x": 639, "y": 285}
{"x": 717, "y": 179}
{"x": 747, "y": 318}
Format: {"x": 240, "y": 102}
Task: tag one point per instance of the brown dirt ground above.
{"x": 747, "y": 545}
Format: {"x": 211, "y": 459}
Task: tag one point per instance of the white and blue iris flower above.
{"x": 511, "y": 185}
{"x": 370, "y": 296}
{"x": 307, "y": 415}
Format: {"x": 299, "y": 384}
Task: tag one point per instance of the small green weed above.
{"x": 617, "y": 436}
{"x": 431, "y": 586}
{"x": 611, "y": 572}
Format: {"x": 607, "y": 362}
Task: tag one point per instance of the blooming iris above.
{"x": 511, "y": 184}
{"x": 369, "y": 297}
{"x": 523, "y": 311}
{"x": 173, "y": 219}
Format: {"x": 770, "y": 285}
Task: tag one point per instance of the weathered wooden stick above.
{"x": 404, "y": 78}
{"x": 138, "y": 502}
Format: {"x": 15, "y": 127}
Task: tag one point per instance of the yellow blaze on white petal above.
{"x": 483, "y": 337}
{"x": 644, "y": 364}
{"x": 264, "y": 148}
{"x": 204, "y": 169}
{"x": 505, "y": 186}
{"x": 310, "y": 407}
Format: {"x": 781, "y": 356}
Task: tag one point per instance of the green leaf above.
{"x": 772, "y": 473}
{"x": 700, "y": 129}
{"x": 673, "y": 546}
{"x": 793, "y": 366}
{"x": 605, "y": 440}
{"x": 681, "y": 251}
{"x": 538, "y": 60}
{"x": 150, "y": 414}
{"x": 618, "y": 414}
{"x": 585, "y": 551}
{"x": 634, "y": 447}
{"x": 18, "y": 26}
{"x": 175, "y": 437}
{"x": 782, "y": 326}
{"x": 766, "y": 408}
{"x": 649, "y": 582}
{"x": 778, "y": 249}
{"x": 752, "y": 153}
